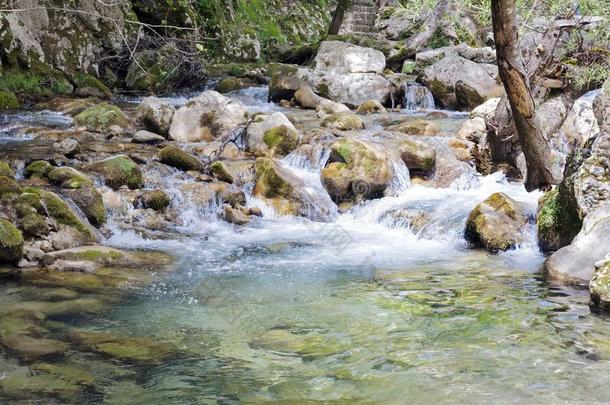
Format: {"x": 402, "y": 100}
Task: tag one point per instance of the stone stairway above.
{"x": 361, "y": 18}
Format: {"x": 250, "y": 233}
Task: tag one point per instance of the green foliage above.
{"x": 33, "y": 85}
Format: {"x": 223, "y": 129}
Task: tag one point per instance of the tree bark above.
{"x": 516, "y": 83}
{"x": 416, "y": 42}
{"x": 338, "y": 15}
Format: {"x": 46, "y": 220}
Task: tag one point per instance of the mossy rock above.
{"x": 370, "y": 107}
{"x": 9, "y": 101}
{"x": 101, "y": 117}
{"x": 45, "y": 386}
{"x": 496, "y": 224}
{"x": 11, "y": 242}
{"x": 220, "y": 171}
{"x": 125, "y": 348}
{"x": 281, "y": 140}
{"x": 229, "y": 84}
{"x": 419, "y": 157}
{"x": 31, "y": 349}
{"x": 90, "y": 202}
{"x": 34, "y": 224}
{"x": 343, "y": 121}
{"x": 558, "y": 220}
{"x": 119, "y": 171}
{"x": 156, "y": 200}
{"x": 89, "y": 86}
{"x": 308, "y": 345}
{"x": 600, "y": 286}
{"x": 8, "y": 186}
{"x": 269, "y": 183}
{"x": 61, "y": 213}
{"x": 174, "y": 156}
{"x": 416, "y": 127}
{"x": 38, "y": 169}
{"x": 67, "y": 177}
{"x": 5, "y": 170}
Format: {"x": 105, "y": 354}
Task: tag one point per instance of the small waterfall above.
{"x": 417, "y": 97}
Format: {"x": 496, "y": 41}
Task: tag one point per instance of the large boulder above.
{"x": 459, "y": 83}
{"x": 350, "y": 74}
{"x": 285, "y": 81}
{"x": 574, "y": 264}
{"x": 496, "y": 224}
{"x": 356, "y": 170}
{"x": 11, "y": 242}
{"x": 155, "y": 115}
{"x": 271, "y": 135}
{"x": 207, "y": 117}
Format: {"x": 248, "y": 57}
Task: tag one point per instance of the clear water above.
{"x": 359, "y": 309}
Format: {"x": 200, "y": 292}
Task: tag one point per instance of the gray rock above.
{"x": 67, "y": 147}
{"x": 144, "y": 136}
{"x": 155, "y": 115}
{"x": 78, "y": 266}
{"x": 574, "y": 264}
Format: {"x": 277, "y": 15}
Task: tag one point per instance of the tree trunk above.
{"x": 516, "y": 83}
{"x": 338, "y": 16}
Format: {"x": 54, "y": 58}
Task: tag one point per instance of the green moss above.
{"x": 119, "y": 171}
{"x": 34, "y": 84}
{"x": 173, "y": 156}
{"x": 101, "y": 117}
{"x": 68, "y": 177}
{"x": 38, "y": 169}
{"x": 61, "y": 213}
{"x": 343, "y": 121}
{"x": 5, "y": 170}
{"x": 34, "y": 225}
{"x": 11, "y": 242}
{"x": 558, "y": 220}
{"x": 97, "y": 256}
{"x": 84, "y": 81}
{"x": 229, "y": 84}
{"x": 281, "y": 139}
{"x": 268, "y": 183}
{"x": 8, "y": 186}
{"x": 156, "y": 200}
{"x": 219, "y": 170}
{"x": 8, "y": 101}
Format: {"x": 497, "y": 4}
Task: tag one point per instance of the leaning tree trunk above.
{"x": 516, "y": 83}
{"x": 431, "y": 23}
{"x": 338, "y": 15}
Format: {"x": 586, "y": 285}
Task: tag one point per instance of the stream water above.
{"x": 361, "y": 308}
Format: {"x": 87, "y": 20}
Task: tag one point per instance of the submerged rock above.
{"x": 207, "y": 117}
{"x": 31, "y": 349}
{"x": 496, "y": 224}
{"x": 356, "y": 170}
{"x": 125, "y": 348}
{"x": 309, "y": 345}
{"x": 574, "y": 264}
{"x": 118, "y": 171}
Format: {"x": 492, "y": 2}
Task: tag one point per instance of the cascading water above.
{"x": 417, "y": 97}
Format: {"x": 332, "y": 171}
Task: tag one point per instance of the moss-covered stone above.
{"x": 119, "y": 171}
{"x": 416, "y": 127}
{"x": 219, "y": 171}
{"x": 156, "y": 200}
{"x": 38, "y": 169}
{"x": 230, "y": 83}
{"x": 370, "y": 107}
{"x": 8, "y": 101}
{"x": 90, "y": 202}
{"x": 61, "y": 213}
{"x": 89, "y": 86}
{"x": 174, "y": 156}
{"x": 45, "y": 385}
{"x": 309, "y": 345}
{"x": 343, "y": 121}
{"x": 274, "y": 185}
{"x": 281, "y": 140}
{"x": 496, "y": 224}
{"x": 558, "y": 221}
{"x": 8, "y": 186}
{"x": 418, "y": 156}
{"x": 101, "y": 117}
{"x": 11, "y": 242}
{"x": 600, "y": 286}
{"x": 125, "y": 348}
{"x": 68, "y": 177}
{"x": 5, "y": 170}
{"x": 31, "y": 349}
{"x": 34, "y": 225}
